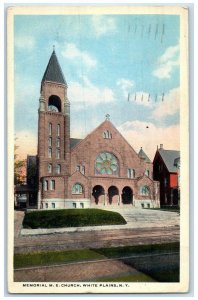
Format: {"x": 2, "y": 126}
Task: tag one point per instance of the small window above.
{"x": 142, "y": 204}
{"x": 58, "y": 130}
{"x": 131, "y": 173}
{"x": 144, "y": 190}
{"x": 49, "y": 168}
{"x": 77, "y": 168}
{"x": 107, "y": 134}
{"x": 58, "y": 142}
{"x": 146, "y": 173}
{"x": 46, "y": 205}
{"x": 50, "y": 142}
{"x": 74, "y": 205}
{"x": 82, "y": 205}
{"x": 58, "y": 169}
{"x": 52, "y": 185}
{"x": 58, "y": 153}
{"x": 77, "y": 188}
{"x": 83, "y": 170}
{"x": 49, "y": 152}
{"x": 50, "y": 128}
{"x": 45, "y": 185}
{"x": 165, "y": 181}
{"x": 53, "y": 205}
{"x": 148, "y": 205}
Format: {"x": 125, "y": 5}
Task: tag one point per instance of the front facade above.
{"x": 166, "y": 169}
{"x": 100, "y": 170}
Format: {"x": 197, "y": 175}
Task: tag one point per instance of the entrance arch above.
{"x": 113, "y": 195}
{"x": 127, "y": 195}
{"x": 98, "y": 193}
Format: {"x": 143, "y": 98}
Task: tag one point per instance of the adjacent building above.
{"x": 166, "y": 169}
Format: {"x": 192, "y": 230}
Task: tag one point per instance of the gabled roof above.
{"x": 143, "y": 155}
{"x": 109, "y": 126}
{"x": 53, "y": 71}
{"x": 169, "y": 157}
{"x": 74, "y": 142}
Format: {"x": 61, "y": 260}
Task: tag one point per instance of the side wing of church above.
{"x": 98, "y": 171}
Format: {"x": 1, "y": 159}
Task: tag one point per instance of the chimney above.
{"x": 161, "y": 146}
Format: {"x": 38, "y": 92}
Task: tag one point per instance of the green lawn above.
{"x": 71, "y": 218}
{"x": 166, "y": 270}
{"x": 114, "y": 252}
{"x": 54, "y": 257}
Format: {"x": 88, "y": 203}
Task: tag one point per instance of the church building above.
{"x": 100, "y": 170}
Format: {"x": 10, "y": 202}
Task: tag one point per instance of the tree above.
{"x": 19, "y": 168}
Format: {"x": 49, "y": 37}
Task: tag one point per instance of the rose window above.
{"x": 106, "y": 164}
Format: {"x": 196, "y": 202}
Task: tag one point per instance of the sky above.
{"x": 126, "y": 66}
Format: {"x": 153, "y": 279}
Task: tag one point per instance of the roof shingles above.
{"x": 169, "y": 157}
{"x": 53, "y": 71}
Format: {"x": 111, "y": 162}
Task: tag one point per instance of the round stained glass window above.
{"x": 106, "y": 164}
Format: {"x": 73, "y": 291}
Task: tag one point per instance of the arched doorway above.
{"x": 127, "y": 195}
{"x": 113, "y": 195}
{"x": 98, "y": 194}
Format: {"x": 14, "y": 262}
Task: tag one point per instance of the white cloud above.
{"x": 103, "y": 25}
{"x": 26, "y": 142}
{"x": 167, "y": 62}
{"x": 126, "y": 85}
{"x": 87, "y": 94}
{"x": 147, "y": 135}
{"x": 25, "y": 42}
{"x": 72, "y": 52}
{"x": 169, "y": 106}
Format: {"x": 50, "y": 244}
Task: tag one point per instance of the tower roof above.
{"x": 143, "y": 155}
{"x": 53, "y": 71}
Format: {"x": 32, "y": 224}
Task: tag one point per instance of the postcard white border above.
{"x": 182, "y": 286}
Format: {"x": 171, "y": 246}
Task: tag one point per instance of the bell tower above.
{"x": 53, "y": 137}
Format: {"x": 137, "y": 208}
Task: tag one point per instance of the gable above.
{"x": 167, "y": 158}
{"x": 107, "y": 133}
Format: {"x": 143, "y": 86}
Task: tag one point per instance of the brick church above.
{"x": 98, "y": 171}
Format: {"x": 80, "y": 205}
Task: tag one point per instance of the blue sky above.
{"x": 112, "y": 64}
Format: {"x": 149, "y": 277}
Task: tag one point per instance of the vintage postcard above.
{"x": 98, "y": 149}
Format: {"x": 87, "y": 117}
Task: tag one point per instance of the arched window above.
{"x": 106, "y": 164}
{"x": 52, "y": 185}
{"x": 58, "y": 130}
{"x": 144, "y": 190}
{"x": 45, "y": 185}
{"x": 54, "y": 104}
{"x": 50, "y": 141}
{"x": 58, "y": 169}
{"x": 49, "y": 168}
{"x": 58, "y": 142}
{"x": 58, "y": 153}
{"x": 50, "y": 128}
{"x": 49, "y": 152}
{"x": 77, "y": 188}
{"x": 146, "y": 172}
